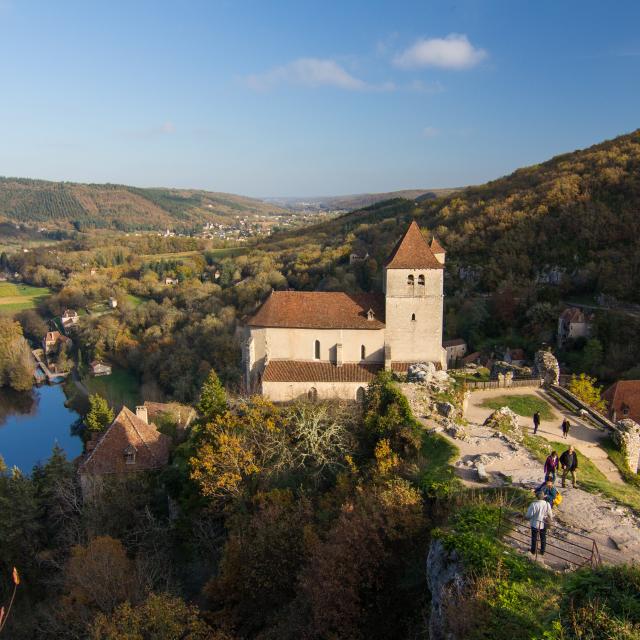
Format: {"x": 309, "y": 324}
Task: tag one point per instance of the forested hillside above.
{"x": 575, "y": 215}
{"x": 65, "y": 205}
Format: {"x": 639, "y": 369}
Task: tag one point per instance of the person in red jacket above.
{"x": 551, "y": 465}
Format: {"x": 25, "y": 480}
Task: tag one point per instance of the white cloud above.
{"x": 312, "y": 73}
{"x": 453, "y": 52}
{"x": 430, "y": 132}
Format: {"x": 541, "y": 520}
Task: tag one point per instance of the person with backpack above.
{"x": 569, "y": 464}
{"x": 566, "y": 425}
{"x": 551, "y": 465}
{"x": 536, "y": 422}
{"x": 551, "y": 494}
{"x": 539, "y": 515}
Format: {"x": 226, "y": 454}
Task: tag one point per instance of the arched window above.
{"x": 421, "y": 280}
{"x": 413, "y": 317}
{"x": 410, "y": 280}
{"x": 363, "y": 352}
{"x": 312, "y": 394}
{"x": 360, "y": 394}
{"x": 316, "y": 350}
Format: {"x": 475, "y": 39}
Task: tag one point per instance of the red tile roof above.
{"x": 436, "y": 247}
{"x": 412, "y": 252}
{"x": 624, "y": 394}
{"x": 320, "y": 310}
{"x": 300, "y": 371}
{"x": 127, "y": 430}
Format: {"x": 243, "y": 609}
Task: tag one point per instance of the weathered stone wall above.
{"x": 546, "y": 367}
{"x": 627, "y": 437}
{"x": 288, "y": 391}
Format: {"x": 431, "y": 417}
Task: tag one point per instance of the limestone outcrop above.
{"x": 505, "y": 421}
{"x": 627, "y": 437}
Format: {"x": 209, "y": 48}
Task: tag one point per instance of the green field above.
{"x": 121, "y": 387}
{"x": 522, "y": 405}
{"x": 134, "y": 300}
{"x": 16, "y": 297}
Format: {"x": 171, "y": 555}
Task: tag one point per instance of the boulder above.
{"x": 445, "y": 409}
{"x": 546, "y": 366}
{"x": 501, "y": 367}
{"x": 483, "y": 476}
{"x": 420, "y": 371}
{"x": 456, "y": 431}
{"x": 506, "y": 422}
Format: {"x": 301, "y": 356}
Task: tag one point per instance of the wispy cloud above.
{"x": 452, "y": 52}
{"x": 313, "y": 73}
{"x": 430, "y": 132}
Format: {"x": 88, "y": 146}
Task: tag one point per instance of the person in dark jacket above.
{"x": 536, "y": 422}
{"x": 566, "y": 425}
{"x": 551, "y": 466}
{"x": 569, "y": 464}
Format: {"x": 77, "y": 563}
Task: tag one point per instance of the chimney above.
{"x": 387, "y": 357}
{"x": 338, "y": 355}
{"x": 141, "y": 412}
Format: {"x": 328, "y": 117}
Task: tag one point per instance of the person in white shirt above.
{"x": 538, "y": 512}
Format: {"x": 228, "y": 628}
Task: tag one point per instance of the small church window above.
{"x": 363, "y": 352}
{"x": 410, "y": 280}
{"x": 413, "y": 317}
{"x": 316, "y": 353}
{"x": 130, "y": 455}
{"x": 421, "y": 280}
{"x": 312, "y": 394}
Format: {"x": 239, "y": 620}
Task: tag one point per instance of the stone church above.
{"x": 330, "y": 345}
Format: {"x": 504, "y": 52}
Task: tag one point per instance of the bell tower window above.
{"x": 363, "y": 352}
{"x": 413, "y": 317}
{"x": 421, "y": 280}
{"x": 410, "y": 280}
{"x": 316, "y": 350}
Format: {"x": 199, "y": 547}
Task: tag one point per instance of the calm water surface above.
{"x": 32, "y": 423}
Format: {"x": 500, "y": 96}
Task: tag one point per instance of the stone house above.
{"x": 456, "y": 350}
{"x": 623, "y": 400}
{"x": 53, "y": 340}
{"x": 330, "y": 344}
{"x": 129, "y": 444}
{"x": 358, "y": 257}
{"x": 100, "y": 368}
{"x": 573, "y": 323}
{"x": 69, "y": 318}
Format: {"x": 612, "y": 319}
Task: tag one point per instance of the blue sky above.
{"x": 270, "y": 98}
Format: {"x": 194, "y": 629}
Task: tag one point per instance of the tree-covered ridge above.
{"x": 86, "y": 206}
{"x": 575, "y": 214}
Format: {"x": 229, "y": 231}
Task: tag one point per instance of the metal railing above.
{"x": 563, "y": 544}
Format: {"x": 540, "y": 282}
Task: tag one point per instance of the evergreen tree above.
{"x": 100, "y": 414}
{"x": 213, "y": 399}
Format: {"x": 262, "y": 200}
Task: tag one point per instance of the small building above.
{"x": 130, "y": 444}
{"x": 69, "y": 318}
{"x": 456, "y": 350}
{"x": 355, "y": 257}
{"x": 623, "y": 400}
{"x": 113, "y": 303}
{"x": 100, "y": 368}
{"x": 170, "y": 281}
{"x": 573, "y": 323}
{"x": 53, "y": 340}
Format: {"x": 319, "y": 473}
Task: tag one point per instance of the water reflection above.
{"x": 17, "y": 403}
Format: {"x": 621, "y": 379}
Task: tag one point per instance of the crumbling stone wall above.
{"x": 627, "y": 437}
{"x": 546, "y": 367}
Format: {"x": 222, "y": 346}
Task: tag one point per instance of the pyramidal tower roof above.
{"x": 412, "y": 252}
{"x": 436, "y": 247}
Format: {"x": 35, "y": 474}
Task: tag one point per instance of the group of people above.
{"x": 540, "y": 512}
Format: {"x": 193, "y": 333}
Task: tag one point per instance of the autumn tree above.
{"x": 585, "y": 387}
{"x": 16, "y": 361}
{"x": 100, "y": 415}
{"x": 213, "y": 399}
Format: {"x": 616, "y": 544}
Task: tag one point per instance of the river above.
{"x": 32, "y": 423}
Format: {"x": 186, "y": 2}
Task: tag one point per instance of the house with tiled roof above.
{"x": 623, "y": 400}
{"x": 573, "y": 323}
{"x": 456, "y": 350}
{"x": 318, "y": 344}
{"x": 129, "y": 444}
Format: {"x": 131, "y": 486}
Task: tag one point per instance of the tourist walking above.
{"x": 548, "y": 490}
{"x": 551, "y": 465}
{"x": 539, "y": 515}
{"x": 566, "y": 425}
{"x": 569, "y": 464}
{"x": 536, "y": 422}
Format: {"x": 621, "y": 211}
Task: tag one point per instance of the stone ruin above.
{"x": 499, "y": 367}
{"x": 627, "y": 437}
{"x": 505, "y": 421}
{"x": 426, "y": 372}
{"x": 546, "y": 367}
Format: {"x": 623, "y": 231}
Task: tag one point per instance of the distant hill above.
{"x": 357, "y": 201}
{"x": 62, "y": 205}
{"x": 577, "y": 215}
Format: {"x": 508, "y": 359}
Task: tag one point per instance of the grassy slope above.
{"x": 522, "y": 405}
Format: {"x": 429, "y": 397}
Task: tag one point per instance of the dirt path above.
{"x": 582, "y": 434}
{"x": 615, "y": 529}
